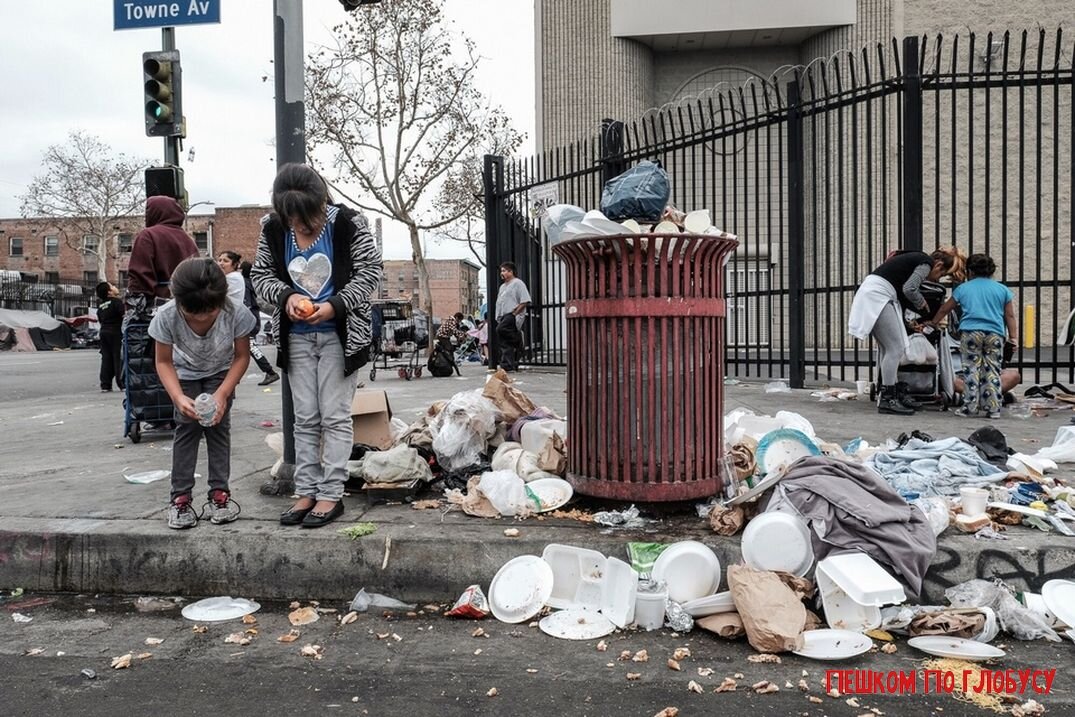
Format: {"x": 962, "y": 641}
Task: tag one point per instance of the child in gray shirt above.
{"x": 202, "y": 346}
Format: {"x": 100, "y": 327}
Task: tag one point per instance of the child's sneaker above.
{"x": 222, "y": 509}
{"x": 962, "y": 412}
{"x": 994, "y": 415}
{"x": 181, "y": 514}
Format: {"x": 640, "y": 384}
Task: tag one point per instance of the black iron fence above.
{"x": 823, "y": 170}
{"x": 55, "y": 299}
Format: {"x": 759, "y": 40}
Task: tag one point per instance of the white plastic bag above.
{"x": 936, "y": 510}
{"x": 506, "y": 491}
{"x": 461, "y": 431}
{"x": 1015, "y": 618}
{"x": 920, "y": 351}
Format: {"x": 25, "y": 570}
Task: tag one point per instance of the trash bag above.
{"x": 936, "y": 510}
{"x": 507, "y": 492}
{"x": 920, "y": 352}
{"x": 1015, "y": 618}
{"x": 640, "y": 193}
{"x": 401, "y": 464}
{"x": 363, "y": 601}
{"x": 461, "y": 431}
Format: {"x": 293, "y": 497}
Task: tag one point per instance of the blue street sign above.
{"x": 132, "y": 14}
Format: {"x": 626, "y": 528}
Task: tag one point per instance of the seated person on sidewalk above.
{"x": 452, "y": 328}
{"x": 202, "y": 347}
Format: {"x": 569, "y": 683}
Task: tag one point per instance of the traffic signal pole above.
{"x": 171, "y": 144}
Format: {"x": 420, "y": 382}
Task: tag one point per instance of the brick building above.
{"x": 453, "y": 283}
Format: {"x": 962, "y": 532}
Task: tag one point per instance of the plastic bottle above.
{"x": 205, "y": 407}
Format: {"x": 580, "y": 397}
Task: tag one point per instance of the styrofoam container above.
{"x": 619, "y": 592}
{"x": 535, "y": 434}
{"x": 649, "y": 609}
{"x": 778, "y": 541}
{"x": 853, "y": 588}
{"x": 577, "y": 574}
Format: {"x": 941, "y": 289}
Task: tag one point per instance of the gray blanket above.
{"x": 850, "y": 507}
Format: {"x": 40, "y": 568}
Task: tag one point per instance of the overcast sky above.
{"x": 65, "y": 68}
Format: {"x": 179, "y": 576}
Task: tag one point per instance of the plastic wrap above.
{"x": 461, "y": 431}
{"x": 507, "y": 492}
{"x": 363, "y": 601}
{"x": 1015, "y": 618}
{"x": 936, "y": 510}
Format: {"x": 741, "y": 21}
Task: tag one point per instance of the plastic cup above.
{"x": 862, "y": 386}
{"x": 974, "y": 501}
{"x": 649, "y": 609}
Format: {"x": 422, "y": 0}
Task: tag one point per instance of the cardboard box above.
{"x": 371, "y": 417}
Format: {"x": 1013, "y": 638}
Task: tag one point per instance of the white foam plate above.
{"x": 520, "y": 589}
{"x": 576, "y": 624}
{"x": 666, "y": 227}
{"x": 1059, "y": 597}
{"x": 577, "y": 574}
{"x": 833, "y": 644}
{"x": 711, "y": 605}
{"x": 631, "y": 225}
{"x": 780, "y": 448}
{"x": 1024, "y": 509}
{"x": 552, "y": 492}
{"x": 697, "y": 221}
{"x": 778, "y": 541}
{"x": 219, "y": 609}
{"x": 689, "y": 569}
{"x": 955, "y": 647}
{"x": 619, "y": 591}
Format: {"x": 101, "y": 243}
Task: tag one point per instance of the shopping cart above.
{"x": 397, "y": 340}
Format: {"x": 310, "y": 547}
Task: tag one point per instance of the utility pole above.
{"x": 171, "y": 142}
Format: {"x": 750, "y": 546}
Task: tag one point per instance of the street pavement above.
{"x": 430, "y": 666}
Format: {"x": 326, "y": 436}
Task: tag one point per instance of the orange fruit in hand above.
{"x": 305, "y": 308}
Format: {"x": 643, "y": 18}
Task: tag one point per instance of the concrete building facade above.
{"x": 453, "y": 283}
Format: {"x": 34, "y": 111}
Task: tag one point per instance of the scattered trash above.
{"x": 694, "y": 687}
{"x": 778, "y": 627}
{"x": 777, "y": 387}
{"x": 668, "y": 712}
{"x": 728, "y": 684}
{"x": 154, "y": 641}
{"x": 88, "y": 674}
{"x": 291, "y": 636}
{"x": 363, "y": 601}
{"x": 146, "y": 477}
{"x": 764, "y": 687}
{"x": 472, "y": 603}
{"x": 511, "y": 533}
{"x": 358, "y": 530}
{"x": 1015, "y": 619}
{"x": 314, "y": 651}
{"x": 303, "y": 616}
{"x": 628, "y": 518}
{"x": 237, "y": 638}
{"x": 19, "y": 617}
{"x": 677, "y": 619}
{"x": 990, "y": 533}
{"x": 122, "y": 662}
{"x": 219, "y": 609}
{"x": 492, "y": 692}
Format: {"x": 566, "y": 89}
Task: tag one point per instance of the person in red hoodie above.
{"x": 158, "y": 249}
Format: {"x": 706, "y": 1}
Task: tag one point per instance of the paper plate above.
{"x": 778, "y": 541}
{"x": 553, "y": 492}
{"x": 619, "y": 592}
{"x": 697, "y": 221}
{"x": 576, "y": 624}
{"x": 631, "y": 225}
{"x": 577, "y": 574}
{"x": 780, "y": 448}
{"x": 520, "y": 588}
{"x": 833, "y": 644}
{"x": 1059, "y": 597}
{"x": 711, "y": 605}
{"x": 219, "y": 609}
{"x": 1024, "y": 509}
{"x": 689, "y": 569}
{"x": 955, "y": 647}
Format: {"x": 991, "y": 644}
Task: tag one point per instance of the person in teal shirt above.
{"x": 988, "y": 323}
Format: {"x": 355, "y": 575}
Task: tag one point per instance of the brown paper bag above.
{"x": 773, "y": 616}
{"x": 726, "y": 624}
{"x": 553, "y": 456}
{"x": 725, "y": 520}
{"x": 474, "y": 502}
{"x": 510, "y": 401}
{"x": 955, "y": 623}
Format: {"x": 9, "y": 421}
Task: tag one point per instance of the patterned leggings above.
{"x": 982, "y": 356}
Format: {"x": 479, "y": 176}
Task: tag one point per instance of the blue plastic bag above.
{"x": 640, "y": 193}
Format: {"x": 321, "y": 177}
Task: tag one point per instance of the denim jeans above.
{"x": 188, "y": 437}
{"x": 322, "y": 397}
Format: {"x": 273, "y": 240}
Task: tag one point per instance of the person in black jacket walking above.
{"x": 110, "y": 318}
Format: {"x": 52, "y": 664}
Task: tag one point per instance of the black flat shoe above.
{"x": 294, "y": 517}
{"x": 317, "y": 520}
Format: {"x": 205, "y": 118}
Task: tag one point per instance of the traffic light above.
{"x": 162, "y": 78}
{"x": 352, "y": 5}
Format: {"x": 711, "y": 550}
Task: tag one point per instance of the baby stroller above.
{"x": 927, "y": 369}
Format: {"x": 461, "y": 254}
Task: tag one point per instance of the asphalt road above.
{"x": 421, "y": 666}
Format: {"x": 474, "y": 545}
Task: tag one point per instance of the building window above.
{"x": 89, "y": 277}
{"x": 14, "y": 246}
{"x": 202, "y": 240}
{"x": 126, "y": 241}
{"x": 90, "y": 244}
{"x": 52, "y": 277}
{"x": 52, "y": 246}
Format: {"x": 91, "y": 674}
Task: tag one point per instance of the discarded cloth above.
{"x": 937, "y": 468}
{"x": 992, "y": 444}
{"x": 401, "y": 464}
{"x": 849, "y": 507}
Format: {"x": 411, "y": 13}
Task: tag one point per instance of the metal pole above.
{"x": 171, "y": 144}
{"x": 290, "y": 147}
{"x": 796, "y": 241}
{"x": 490, "y": 175}
{"x": 912, "y": 146}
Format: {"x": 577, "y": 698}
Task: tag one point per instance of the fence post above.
{"x": 912, "y": 146}
{"x": 796, "y": 240}
{"x": 493, "y": 181}
{"x": 612, "y": 164}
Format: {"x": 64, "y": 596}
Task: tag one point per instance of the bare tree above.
{"x": 89, "y": 186}
{"x": 462, "y": 193}
{"x": 393, "y": 109}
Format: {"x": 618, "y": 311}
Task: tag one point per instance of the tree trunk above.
{"x": 425, "y": 293}
{"x": 102, "y": 260}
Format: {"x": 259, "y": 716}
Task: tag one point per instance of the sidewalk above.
{"x": 70, "y": 522}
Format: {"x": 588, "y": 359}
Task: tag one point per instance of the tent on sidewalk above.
{"x": 32, "y": 331}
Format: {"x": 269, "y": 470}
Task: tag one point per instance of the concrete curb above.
{"x": 426, "y": 562}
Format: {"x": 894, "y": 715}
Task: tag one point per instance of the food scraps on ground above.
{"x": 727, "y": 685}
{"x": 492, "y": 692}
{"x": 695, "y": 687}
{"x": 681, "y": 653}
{"x": 303, "y": 616}
{"x": 673, "y": 665}
{"x": 765, "y": 657}
{"x": 634, "y": 676}
{"x": 122, "y": 662}
{"x": 705, "y": 671}
{"x": 291, "y": 636}
{"x": 602, "y": 646}
{"x": 640, "y": 656}
{"x": 314, "y": 651}
{"x": 764, "y": 687}
{"x": 237, "y": 638}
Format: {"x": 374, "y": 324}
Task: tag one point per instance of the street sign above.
{"x": 133, "y": 14}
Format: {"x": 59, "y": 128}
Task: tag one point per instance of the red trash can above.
{"x": 645, "y": 335}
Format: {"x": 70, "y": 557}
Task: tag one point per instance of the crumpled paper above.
{"x": 773, "y": 615}
{"x": 512, "y": 403}
{"x": 553, "y": 456}
{"x": 726, "y": 520}
{"x": 726, "y": 624}
{"x": 955, "y": 623}
{"x": 474, "y": 501}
